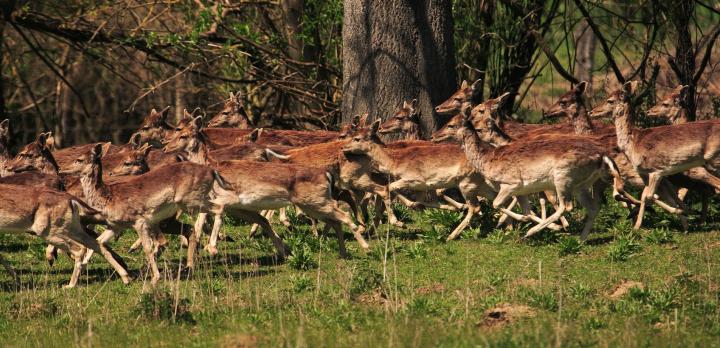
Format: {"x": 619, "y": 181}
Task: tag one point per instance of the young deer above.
{"x": 422, "y": 168}
{"x": 233, "y": 114}
{"x": 661, "y": 151}
{"x": 142, "y": 201}
{"x": 563, "y": 165}
{"x": 268, "y": 186}
{"x": 54, "y": 216}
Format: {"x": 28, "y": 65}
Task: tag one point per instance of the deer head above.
{"x": 406, "y": 120}
{"x": 188, "y": 140}
{"x": 568, "y": 104}
{"x": 672, "y": 106}
{"x": 233, "y": 114}
{"x": 154, "y": 127}
{"x": 34, "y": 156}
{"x": 449, "y": 132}
{"x": 483, "y": 119}
{"x": 364, "y": 141}
{"x": 615, "y": 98}
{"x": 466, "y": 93}
{"x": 89, "y": 164}
{"x": 133, "y": 163}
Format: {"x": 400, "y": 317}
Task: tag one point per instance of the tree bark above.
{"x": 397, "y": 50}
{"x": 585, "y": 43}
{"x": 680, "y": 13}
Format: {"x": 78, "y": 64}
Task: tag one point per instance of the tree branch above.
{"x": 601, "y": 39}
{"x": 551, "y": 57}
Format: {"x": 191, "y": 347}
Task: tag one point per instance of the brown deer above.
{"x": 405, "y": 121}
{"x": 422, "y": 168}
{"x": 142, "y": 201}
{"x": 565, "y": 165}
{"x": 233, "y": 114}
{"x": 660, "y": 151}
{"x": 671, "y": 107}
{"x": 268, "y": 186}
{"x": 54, "y": 216}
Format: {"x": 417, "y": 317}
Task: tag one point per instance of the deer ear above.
{"x": 135, "y": 140}
{"x": 628, "y": 87}
{"x": 413, "y": 104}
{"x": 197, "y": 122}
{"x": 254, "y": 135}
{"x": 499, "y": 101}
{"x": 580, "y": 88}
{"x": 683, "y": 90}
{"x": 476, "y": 85}
{"x": 375, "y": 126}
{"x": 355, "y": 121}
{"x": 105, "y": 148}
{"x": 5, "y": 124}
{"x": 232, "y": 96}
{"x": 463, "y": 85}
{"x": 145, "y": 149}
{"x": 96, "y": 151}
{"x": 50, "y": 141}
{"x": 186, "y": 114}
{"x": 42, "y": 139}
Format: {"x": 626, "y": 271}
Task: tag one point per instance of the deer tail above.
{"x": 272, "y": 153}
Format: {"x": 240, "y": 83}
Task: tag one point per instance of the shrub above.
{"x": 301, "y": 283}
{"x": 417, "y": 250}
{"x": 661, "y": 235}
{"x": 622, "y": 249}
{"x": 569, "y": 246}
{"x": 364, "y": 278}
{"x": 162, "y": 305}
{"x": 301, "y": 258}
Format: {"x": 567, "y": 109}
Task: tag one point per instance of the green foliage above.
{"x": 661, "y": 235}
{"x": 163, "y": 306}
{"x": 364, "y": 278}
{"x": 301, "y": 258}
{"x": 417, "y": 250}
{"x": 301, "y": 283}
{"x": 569, "y": 246}
{"x": 623, "y": 248}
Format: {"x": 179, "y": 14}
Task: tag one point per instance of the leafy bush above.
{"x": 661, "y": 235}
{"x": 445, "y": 220}
{"x": 301, "y": 283}
{"x": 569, "y": 246}
{"x": 417, "y": 250}
{"x": 622, "y": 249}
{"x": 162, "y": 305}
{"x": 497, "y": 236}
{"x": 301, "y": 258}
{"x": 365, "y": 278}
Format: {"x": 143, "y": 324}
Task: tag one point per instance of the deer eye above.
{"x": 563, "y": 104}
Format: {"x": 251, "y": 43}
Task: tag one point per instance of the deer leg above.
{"x": 561, "y": 199}
{"x": 543, "y": 209}
{"x": 503, "y": 218}
{"x": 9, "y": 268}
{"x": 211, "y": 247}
{"x": 337, "y": 226}
{"x": 50, "y": 254}
{"x": 592, "y": 207}
{"x": 647, "y": 194}
{"x": 472, "y": 209}
{"x": 78, "y": 234}
{"x": 440, "y": 193}
{"x": 330, "y": 211}
{"x": 195, "y": 239}
{"x": 380, "y": 207}
{"x": 143, "y": 230}
{"x": 267, "y": 229}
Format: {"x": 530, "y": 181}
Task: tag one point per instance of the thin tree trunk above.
{"x": 585, "y": 43}
{"x": 396, "y": 50}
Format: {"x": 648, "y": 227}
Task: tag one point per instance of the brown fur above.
{"x": 233, "y": 114}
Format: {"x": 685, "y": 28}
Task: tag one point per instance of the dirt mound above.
{"x": 505, "y": 314}
{"x": 624, "y": 287}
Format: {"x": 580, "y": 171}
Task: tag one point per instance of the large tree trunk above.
{"x": 397, "y": 50}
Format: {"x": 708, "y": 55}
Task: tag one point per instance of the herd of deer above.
{"x": 230, "y": 168}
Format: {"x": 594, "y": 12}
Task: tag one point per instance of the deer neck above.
{"x": 380, "y": 158}
{"x": 4, "y": 158}
{"x": 201, "y": 155}
{"x": 681, "y": 116}
{"x": 475, "y": 149}
{"x": 582, "y": 121}
{"x": 413, "y": 133}
{"x": 624, "y": 127}
{"x": 95, "y": 191}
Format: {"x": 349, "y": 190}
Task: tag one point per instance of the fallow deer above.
{"x": 405, "y": 121}
{"x": 141, "y": 202}
{"x": 565, "y": 165}
{"x": 268, "y": 186}
{"x": 54, "y": 216}
{"x": 422, "y": 168}
{"x": 660, "y": 151}
{"x": 233, "y": 114}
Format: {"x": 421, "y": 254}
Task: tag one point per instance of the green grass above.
{"x": 412, "y": 290}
